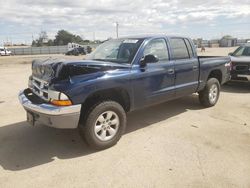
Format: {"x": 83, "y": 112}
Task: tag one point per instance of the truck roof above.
{"x": 147, "y": 36}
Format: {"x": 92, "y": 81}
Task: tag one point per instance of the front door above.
{"x": 154, "y": 83}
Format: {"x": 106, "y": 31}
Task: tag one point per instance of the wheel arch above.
{"x": 216, "y": 74}
{"x": 118, "y": 94}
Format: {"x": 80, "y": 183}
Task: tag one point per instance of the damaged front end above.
{"x": 48, "y": 100}
{"x": 51, "y": 70}
{"x": 43, "y": 72}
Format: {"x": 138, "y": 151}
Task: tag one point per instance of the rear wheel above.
{"x": 103, "y": 125}
{"x": 210, "y": 94}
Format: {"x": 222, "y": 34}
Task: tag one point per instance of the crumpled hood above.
{"x": 51, "y": 68}
{"x": 45, "y": 69}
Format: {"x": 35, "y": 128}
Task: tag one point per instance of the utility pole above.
{"x": 117, "y": 27}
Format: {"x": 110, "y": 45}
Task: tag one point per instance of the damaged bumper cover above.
{"x": 62, "y": 117}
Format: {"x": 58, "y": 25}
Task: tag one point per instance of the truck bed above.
{"x": 208, "y": 63}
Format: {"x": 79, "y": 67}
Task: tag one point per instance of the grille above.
{"x": 40, "y": 88}
{"x": 241, "y": 67}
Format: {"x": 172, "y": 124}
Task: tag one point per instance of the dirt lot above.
{"x": 175, "y": 144}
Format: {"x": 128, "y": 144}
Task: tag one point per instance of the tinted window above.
{"x": 179, "y": 48}
{"x": 246, "y": 51}
{"x": 157, "y": 47}
{"x": 242, "y": 51}
{"x": 190, "y": 51}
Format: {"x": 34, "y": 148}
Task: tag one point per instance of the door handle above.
{"x": 170, "y": 71}
{"x": 195, "y": 67}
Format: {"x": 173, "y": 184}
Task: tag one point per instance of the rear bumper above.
{"x": 53, "y": 116}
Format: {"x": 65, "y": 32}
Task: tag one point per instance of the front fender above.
{"x": 79, "y": 88}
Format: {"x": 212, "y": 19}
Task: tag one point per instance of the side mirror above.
{"x": 149, "y": 59}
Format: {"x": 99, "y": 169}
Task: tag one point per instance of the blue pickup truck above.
{"x": 120, "y": 76}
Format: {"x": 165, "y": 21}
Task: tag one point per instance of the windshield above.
{"x": 242, "y": 51}
{"x": 118, "y": 50}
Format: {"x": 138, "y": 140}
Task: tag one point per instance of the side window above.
{"x": 179, "y": 48}
{"x": 190, "y": 50}
{"x": 157, "y": 47}
{"x": 239, "y": 51}
{"x": 246, "y": 51}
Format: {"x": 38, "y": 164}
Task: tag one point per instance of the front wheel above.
{"x": 210, "y": 94}
{"x": 103, "y": 125}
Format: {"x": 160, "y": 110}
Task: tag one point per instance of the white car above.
{"x": 4, "y": 51}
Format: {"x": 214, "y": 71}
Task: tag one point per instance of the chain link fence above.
{"x": 44, "y": 50}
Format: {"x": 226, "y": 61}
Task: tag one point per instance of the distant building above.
{"x": 7, "y": 44}
{"x": 197, "y": 42}
{"x": 214, "y": 43}
{"x": 204, "y": 43}
{"x": 228, "y": 42}
{"x": 241, "y": 41}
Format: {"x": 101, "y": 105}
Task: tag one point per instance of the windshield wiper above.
{"x": 99, "y": 59}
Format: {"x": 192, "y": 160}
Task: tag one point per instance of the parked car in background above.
{"x": 72, "y": 45}
{"x": 4, "y": 51}
{"x": 120, "y": 76}
{"x": 241, "y": 63}
{"x": 89, "y": 49}
{"x": 76, "y": 51}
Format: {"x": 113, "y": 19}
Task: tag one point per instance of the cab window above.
{"x": 179, "y": 48}
{"x": 158, "y": 48}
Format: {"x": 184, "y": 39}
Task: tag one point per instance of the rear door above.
{"x": 186, "y": 66}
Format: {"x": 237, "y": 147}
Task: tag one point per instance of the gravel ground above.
{"x": 175, "y": 144}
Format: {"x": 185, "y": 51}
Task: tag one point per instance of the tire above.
{"x": 103, "y": 125}
{"x": 210, "y": 94}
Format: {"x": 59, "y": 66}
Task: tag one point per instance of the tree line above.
{"x": 62, "y": 37}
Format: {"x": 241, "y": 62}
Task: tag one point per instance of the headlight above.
{"x": 59, "y": 98}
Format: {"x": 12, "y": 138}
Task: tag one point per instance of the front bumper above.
{"x": 66, "y": 117}
{"x": 244, "y": 76}
{"x": 241, "y": 77}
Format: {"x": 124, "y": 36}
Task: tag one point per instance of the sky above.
{"x": 22, "y": 20}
